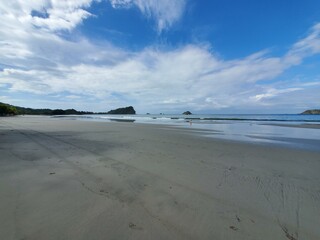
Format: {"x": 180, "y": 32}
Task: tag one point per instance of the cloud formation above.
{"x": 51, "y": 15}
{"x": 164, "y": 12}
{"x": 36, "y": 60}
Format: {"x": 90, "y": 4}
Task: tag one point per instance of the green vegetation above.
{"x": 7, "y": 110}
{"x": 10, "y": 110}
{"x": 31, "y": 111}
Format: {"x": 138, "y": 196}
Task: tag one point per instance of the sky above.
{"x": 168, "y": 56}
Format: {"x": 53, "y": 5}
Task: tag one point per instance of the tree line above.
{"x": 10, "y": 110}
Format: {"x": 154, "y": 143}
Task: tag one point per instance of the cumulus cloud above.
{"x": 164, "y": 12}
{"x": 52, "y": 15}
{"x": 36, "y": 60}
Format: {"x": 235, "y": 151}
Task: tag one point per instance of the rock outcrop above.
{"x": 187, "y": 113}
{"x": 125, "y": 110}
{"x": 311, "y": 112}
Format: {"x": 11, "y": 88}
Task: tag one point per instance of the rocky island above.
{"x": 125, "y": 110}
{"x": 311, "y": 112}
{"x": 187, "y": 113}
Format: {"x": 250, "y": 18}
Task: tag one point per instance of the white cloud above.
{"x": 307, "y": 46}
{"x": 121, "y": 3}
{"x": 38, "y": 61}
{"x": 271, "y": 92}
{"x": 187, "y": 77}
{"x": 73, "y": 97}
{"x": 165, "y": 12}
{"x": 56, "y": 14}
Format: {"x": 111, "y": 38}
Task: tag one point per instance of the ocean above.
{"x": 291, "y": 130}
{"x": 209, "y": 118}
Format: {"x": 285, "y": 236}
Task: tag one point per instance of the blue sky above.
{"x": 243, "y": 56}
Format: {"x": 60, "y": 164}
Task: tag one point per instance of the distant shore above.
{"x": 66, "y": 179}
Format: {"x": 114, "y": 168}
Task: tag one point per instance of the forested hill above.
{"x": 7, "y": 109}
{"x": 10, "y": 110}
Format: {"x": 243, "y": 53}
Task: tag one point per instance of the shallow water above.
{"x": 262, "y": 129}
{"x": 257, "y": 132}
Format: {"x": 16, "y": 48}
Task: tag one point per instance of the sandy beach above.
{"x": 72, "y": 179}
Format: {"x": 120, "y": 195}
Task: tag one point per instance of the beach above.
{"x": 72, "y": 179}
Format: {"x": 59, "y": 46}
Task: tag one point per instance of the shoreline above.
{"x": 83, "y": 179}
{"x": 252, "y": 132}
{"x": 297, "y": 125}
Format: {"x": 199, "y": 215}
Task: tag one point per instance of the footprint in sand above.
{"x": 133, "y": 226}
{"x": 234, "y": 228}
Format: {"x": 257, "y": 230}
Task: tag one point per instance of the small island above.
{"x": 187, "y": 113}
{"x": 311, "y": 112}
{"x": 125, "y": 110}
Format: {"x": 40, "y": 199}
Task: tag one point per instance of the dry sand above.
{"x": 66, "y": 179}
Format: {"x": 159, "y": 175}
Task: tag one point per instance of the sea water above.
{"x": 208, "y": 118}
{"x": 280, "y": 129}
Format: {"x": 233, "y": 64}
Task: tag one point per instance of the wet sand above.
{"x": 302, "y": 125}
{"x": 67, "y": 179}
